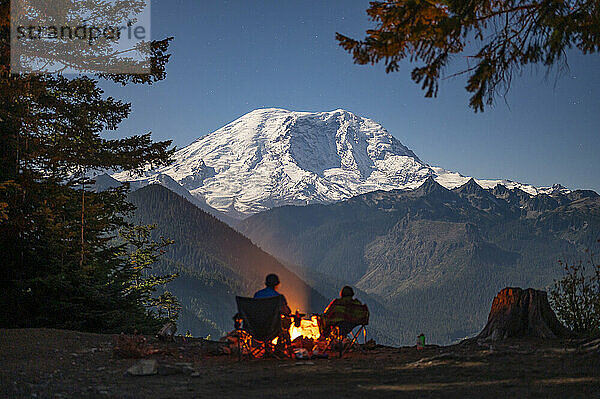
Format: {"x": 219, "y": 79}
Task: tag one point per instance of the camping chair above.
{"x": 262, "y": 323}
{"x": 341, "y": 322}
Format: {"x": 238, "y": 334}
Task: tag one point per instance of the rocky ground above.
{"x": 46, "y": 363}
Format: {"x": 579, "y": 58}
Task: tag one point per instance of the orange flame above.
{"x": 307, "y": 329}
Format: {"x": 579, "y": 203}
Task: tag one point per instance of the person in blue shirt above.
{"x": 272, "y": 283}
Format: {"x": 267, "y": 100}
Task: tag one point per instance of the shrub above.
{"x": 576, "y": 296}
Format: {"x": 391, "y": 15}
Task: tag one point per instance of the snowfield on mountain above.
{"x": 274, "y": 157}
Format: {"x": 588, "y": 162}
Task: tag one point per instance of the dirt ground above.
{"x": 46, "y": 363}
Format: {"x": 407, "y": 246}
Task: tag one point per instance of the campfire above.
{"x": 305, "y": 337}
{"x": 307, "y": 328}
{"x": 303, "y": 328}
{"x": 296, "y": 335}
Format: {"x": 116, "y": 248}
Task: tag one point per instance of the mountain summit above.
{"x": 273, "y": 157}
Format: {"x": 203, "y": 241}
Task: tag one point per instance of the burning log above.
{"x": 522, "y": 313}
{"x": 301, "y": 342}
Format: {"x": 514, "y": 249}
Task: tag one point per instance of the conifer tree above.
{"x": 61, "y": 266}
{"x": 168, "y": 304}
{"x": 141, "y": 253}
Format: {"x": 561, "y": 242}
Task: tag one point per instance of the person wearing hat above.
{"x": 272, "y": 283}
{"x": 341, "y": 311}
{"x": 346, "y": 298}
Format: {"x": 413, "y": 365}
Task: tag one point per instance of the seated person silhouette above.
{"x": 272, "y": 284}
{"x": 342, "y": 312}
{"x": 270, "y": 290}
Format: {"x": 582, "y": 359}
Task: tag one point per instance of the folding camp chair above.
{"x": 261, "y": 324}
{"x": 347, "y": 318}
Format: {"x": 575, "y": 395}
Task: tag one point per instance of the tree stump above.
{"x": 522, "y": 313}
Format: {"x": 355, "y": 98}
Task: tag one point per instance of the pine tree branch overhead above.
{"x": 496, "y": 38}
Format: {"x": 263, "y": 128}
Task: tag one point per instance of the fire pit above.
{"x": 306, "y": 339}
{"x": 303, "y": 327}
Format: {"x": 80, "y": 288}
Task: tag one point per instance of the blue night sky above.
{"x": 230, "y": 57}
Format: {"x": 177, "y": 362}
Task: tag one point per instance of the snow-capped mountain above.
{"x": 273, "y": 157}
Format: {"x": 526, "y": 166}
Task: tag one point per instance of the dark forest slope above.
{"x": 215, "y": 262}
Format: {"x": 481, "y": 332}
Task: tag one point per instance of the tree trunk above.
{"x": 82, "y": 223}
{"x": 522, "y": 313}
